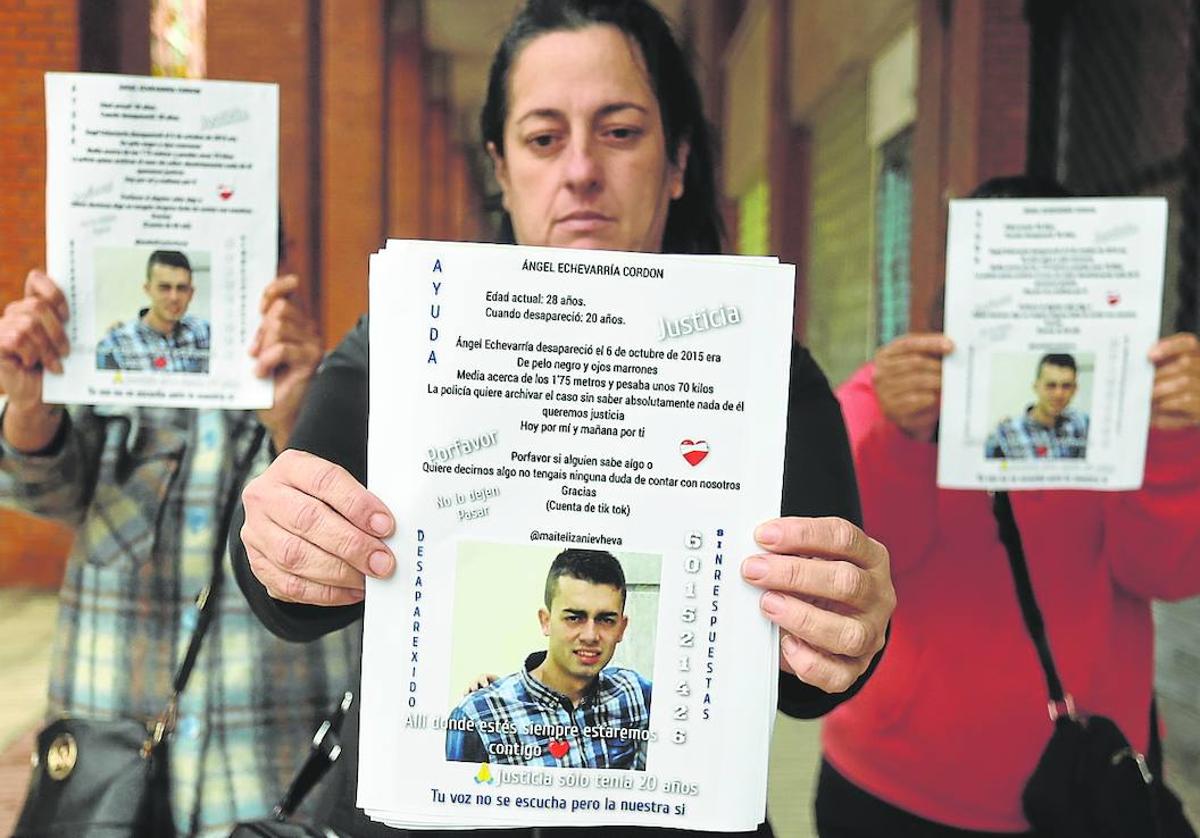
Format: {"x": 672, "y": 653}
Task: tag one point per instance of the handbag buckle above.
{"x": 1062, "y": 707}
{"x": 164, "y": 725}
{"x": 1138, "y": 760}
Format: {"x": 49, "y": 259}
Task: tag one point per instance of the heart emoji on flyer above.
{"x": 559, "y": 748}
{"x": 1113, "y": 298}
{"x": 225, "y": 191}
{"x": 693, "y": 451}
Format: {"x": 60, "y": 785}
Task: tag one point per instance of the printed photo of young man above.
{"x": 566, "y": 706}
{"x": 163, "y": 337}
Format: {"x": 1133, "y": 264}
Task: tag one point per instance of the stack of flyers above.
{"x": 577, "y": 446}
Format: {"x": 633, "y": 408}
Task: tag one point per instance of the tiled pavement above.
{"x": 27, "y": 629}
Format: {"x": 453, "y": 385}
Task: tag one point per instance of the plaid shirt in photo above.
{"x": 143, "y": 489}
{"x": 136, "y": 346}
{"x": 607, "y": 730}
{"x": 1026, "y": 438}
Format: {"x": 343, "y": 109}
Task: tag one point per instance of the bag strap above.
{"x": 1061, "y": 703}
{"x": 324, "y": 752}
{"x": 206, "y": 601}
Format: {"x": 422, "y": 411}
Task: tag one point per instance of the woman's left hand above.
{"x": 1176, "y": 399}
{"x": 829, "y": 588}
{"x": 288, "y": 348}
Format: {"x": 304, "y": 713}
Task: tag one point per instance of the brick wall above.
{"x": 269, "y": 41}
{"x": 35, "y": 36}
{"x": 1004, "y": 94}
{"x": 972, "y": 118}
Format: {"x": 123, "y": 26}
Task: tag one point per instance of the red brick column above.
{"x": 406, "y": 114}
{"x": 271, "y": 41}
{"x": 972, "y": 110}
{"x": 352, "y": 225}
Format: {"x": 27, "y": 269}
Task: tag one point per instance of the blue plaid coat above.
{"x": 143, "y": 487}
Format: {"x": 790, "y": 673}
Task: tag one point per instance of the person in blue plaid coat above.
{"x": 143, "y": 489}
{"x": 566, "y": 707}
{"x": 1050, "y": 427}
{"x": 163, "y": 337}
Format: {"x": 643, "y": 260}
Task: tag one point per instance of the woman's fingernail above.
{"x": 767, "y": 534}
{"x": 790, "y": 645}
{"x": 772, "y": 603}
{"x": 755, "y": 568}
{"x": 380, "y": 564}
{"x": 381, "y": 524}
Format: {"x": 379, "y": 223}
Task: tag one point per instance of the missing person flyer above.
{"x": 578, "y": 446}
{"x": 162, "y": 231}
{"x": 1053, "y": 306}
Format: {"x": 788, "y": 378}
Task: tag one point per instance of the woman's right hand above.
{"x": 908, "y": 382}
{"x": 32, "y": 339}
{"x": 313, "y": 532}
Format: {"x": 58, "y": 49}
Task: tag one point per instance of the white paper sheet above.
{"x": 528, "y": 400}
{"x": 1079, "y": 281}
{"x": 137, "y": 165}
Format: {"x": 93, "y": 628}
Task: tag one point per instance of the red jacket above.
{"x": 954, "y": 719}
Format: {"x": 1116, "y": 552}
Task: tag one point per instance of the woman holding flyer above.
{"x": 144, "y": 489}
{"x": 595, "y": 127}
{"x": 948, "y": 733}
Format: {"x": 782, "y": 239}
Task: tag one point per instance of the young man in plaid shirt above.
{"x": 566, "y": 707}
{"x": 163, "y": 337}
{"x": 1049, "y": 427}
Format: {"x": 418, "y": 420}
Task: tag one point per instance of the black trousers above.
{"x": 846, "y": 811}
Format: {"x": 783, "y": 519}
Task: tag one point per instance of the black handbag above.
{"x": 1089, "y": 781}
{"x": 96, "y": 778}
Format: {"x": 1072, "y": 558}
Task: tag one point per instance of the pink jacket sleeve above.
{"x": 896, "y": 474}
{"x": 1153, "y": 534}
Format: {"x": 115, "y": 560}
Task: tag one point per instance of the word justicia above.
{"x": 699, "y": 321}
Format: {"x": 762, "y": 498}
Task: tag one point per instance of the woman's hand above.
{"x": 287, "y": 347}
{"x": 312, "y": 531}
{"x": 829, "y": 588}
{"x": 32, "y": 340}
{"x": 1176, "y": 397}
{"x": 908, "y": 382}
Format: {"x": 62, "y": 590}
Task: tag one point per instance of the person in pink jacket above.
{"x": 943, "y": 739}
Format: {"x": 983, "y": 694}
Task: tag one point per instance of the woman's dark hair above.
{"x": 1020, "y": 186}
{"x": 693, "y": 221}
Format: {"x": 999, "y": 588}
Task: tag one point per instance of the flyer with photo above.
{"x": 578, "y": 446}
{"x": 162, "y": 231}
{"x": 1053, "y": 306}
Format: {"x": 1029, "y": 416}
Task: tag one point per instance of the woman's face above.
{"x": 585, "y": 162}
